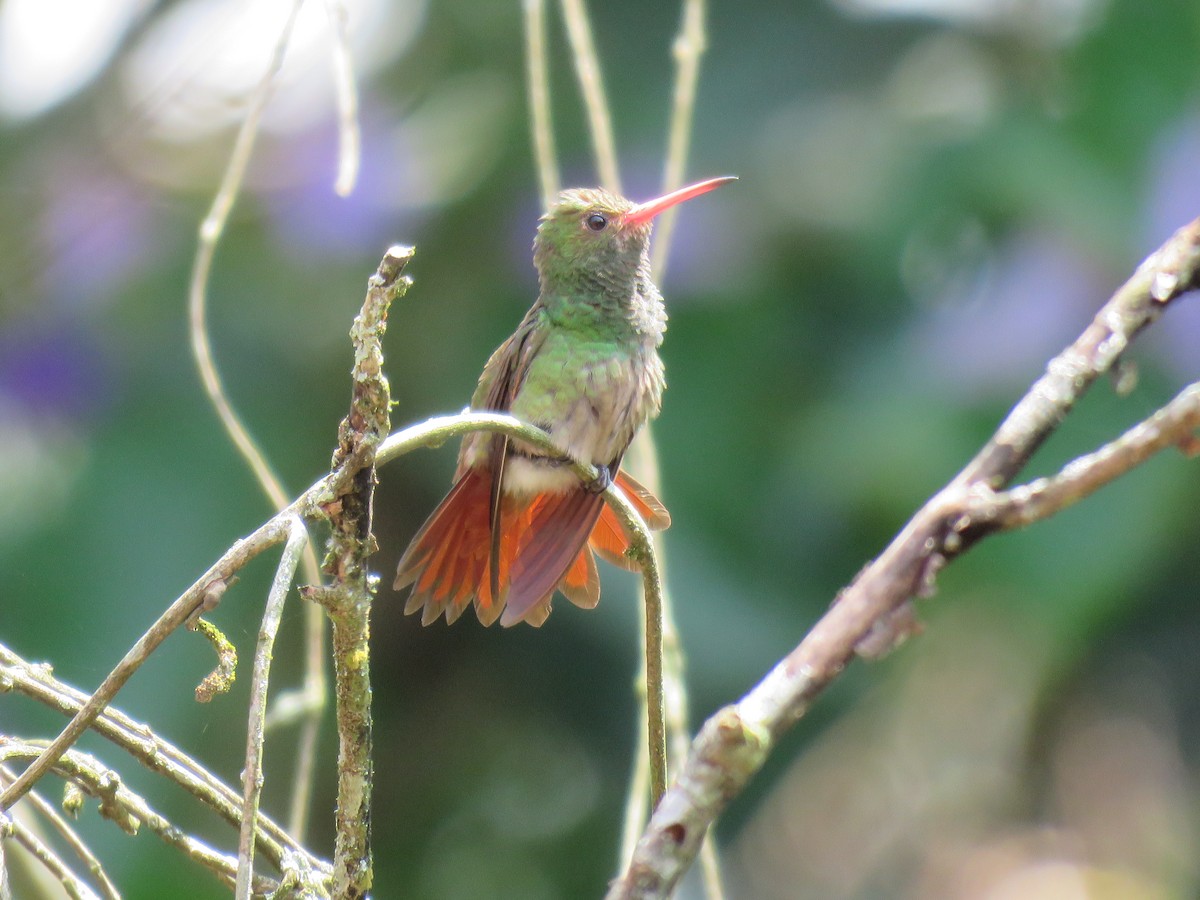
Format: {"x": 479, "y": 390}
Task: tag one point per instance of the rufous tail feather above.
{"x": 546, "y": 544}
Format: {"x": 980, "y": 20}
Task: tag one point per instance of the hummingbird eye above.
{"x": 596, "y": 221}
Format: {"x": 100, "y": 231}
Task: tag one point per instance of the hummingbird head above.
{"x": 593, "y": 236}
{"x": 584, "y": 235}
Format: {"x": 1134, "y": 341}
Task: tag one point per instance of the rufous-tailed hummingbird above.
{"x": 583, "y": 366}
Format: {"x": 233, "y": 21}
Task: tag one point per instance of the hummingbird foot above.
{"x": 600, "y": 483}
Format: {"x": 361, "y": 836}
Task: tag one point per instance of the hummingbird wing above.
{"x": 499, "y": 384}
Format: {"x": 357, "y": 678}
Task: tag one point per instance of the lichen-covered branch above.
{"x": 158, "y": 755}
{"x": 203, "y": 593}
{"x": 70, "y": 837}
{"x": 74, "y": 886}
{"x": 128, "y": 811}
{"x": 875, "y": 610}
{"x": 347, "y": 599}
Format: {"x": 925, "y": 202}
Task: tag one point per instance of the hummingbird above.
{"x": 583, "y": 366}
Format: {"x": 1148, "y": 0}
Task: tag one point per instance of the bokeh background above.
{"x": 935, "y": 196}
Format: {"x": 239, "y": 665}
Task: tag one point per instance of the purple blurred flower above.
{"x": 1024, "y": 307}
{"x": 96, "y": 230}
{"x": 54, "y": 369}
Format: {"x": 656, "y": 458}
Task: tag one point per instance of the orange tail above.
{"x": 608, "y": 537}
{"x": 544, "y": 546}
{"x": 447, "y": 561}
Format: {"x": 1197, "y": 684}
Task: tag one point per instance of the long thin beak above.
{"x": 644, "y": 212}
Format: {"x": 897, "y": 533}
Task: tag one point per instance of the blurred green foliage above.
{"x": 934, "y": 198}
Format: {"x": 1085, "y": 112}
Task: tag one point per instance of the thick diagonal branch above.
{"x": 875, "y": 609}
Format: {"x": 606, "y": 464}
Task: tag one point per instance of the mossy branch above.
{"x": 347, "y": 599}
{"x": 130, "y": 812}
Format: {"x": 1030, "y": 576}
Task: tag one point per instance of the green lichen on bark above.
{"x": 348, "y": 597}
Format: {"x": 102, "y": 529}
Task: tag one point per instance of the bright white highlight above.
{"x": 49, "y": 49}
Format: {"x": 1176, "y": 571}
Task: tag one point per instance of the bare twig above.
{"x": 128, "y": 810}
{"x": 349, "y": 137}
{"x": 734, "y": 743}
{"x": 252, "y": 773}
{"x": 537, "y": 81}
{"x": 653, "y": 601}
{"x": 1023, "y": 505}
{"x": 673, "y": 687}
{"x": 591, "y": 85}
{"x": 193, "y": 599}
{"x": 689, "y": 47}
{"x": 72, "y": 884}
{"x": 156, "y": 754}
{"x": 108, "y": 890}
{"x": 211, "y": 229}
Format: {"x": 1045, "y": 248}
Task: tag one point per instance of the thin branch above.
{"x": 72, "y": 884}
{"x": 673, "y": 686}
{"x": 591, "y": 85}
{"x": 537, "y": 81}
{"x": 349, "y": 136}
{"x": 875, "y": 610}
{"x": 211, "y": 230}
{"x": 688, "y": 48}
{"x": 654, "y": 602}
{"x": 665, "y": 683}
{"x": 5, "y": 829}
{"x": 129, "y": 811}
{"x": 637, "y": 798}
{"x": 156, "y": 754}
{"x": 203, "y": 593}
{"x": 108, "y": 890}
{"x": 252, "y": 773}
{"x": 1017, "y": 507}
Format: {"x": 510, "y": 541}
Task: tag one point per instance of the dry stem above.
{"x": 313, "y": 692}
{"x": 156, "y": 754}
{"x": 538, "y": 85}
{"x": 591, "y": 85}
{"x": 128, "y": 810}
{"x": 349, "y": 136}
{"x": 252, "y": 772}
{"x": 689, "y": 47}
{"x": 43, "y": 808}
